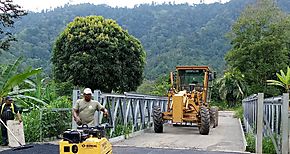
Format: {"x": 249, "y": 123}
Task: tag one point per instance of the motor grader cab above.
{"x": 188, "y": 100}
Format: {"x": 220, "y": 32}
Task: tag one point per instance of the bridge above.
{"x": 133, "y": 111}
{"x": 130, "y": 114}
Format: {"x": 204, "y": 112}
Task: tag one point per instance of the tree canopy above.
{"x": 171, "y": 34}
{"x": 260, "y": 44}
{"x": 96, "y": 52}
{"x": 188, "y": 35}
{"x": 8, "y": 12}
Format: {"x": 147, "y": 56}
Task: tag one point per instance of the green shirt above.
{"x": 87, "y": 110}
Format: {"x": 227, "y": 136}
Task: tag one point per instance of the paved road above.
{"x": 143, "y": 150}
{"x": 226, "y": 137}
{"x": 53, "y": 149}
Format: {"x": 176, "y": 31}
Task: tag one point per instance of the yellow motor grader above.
{"x": 188, "y": 100}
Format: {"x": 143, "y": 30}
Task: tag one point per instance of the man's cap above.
{"x": 87, "y": 91}
{"x": 8, "y": 98}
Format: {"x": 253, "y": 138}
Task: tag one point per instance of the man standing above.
{"x": 84, "y": 109}
{"x": 8, "y": 110}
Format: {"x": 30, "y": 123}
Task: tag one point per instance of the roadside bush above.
{"x": 268, "y": 146}
{"x": 239, "y": 112}
{"x": 32, "y": 125}
{"x": 221, "y": 105}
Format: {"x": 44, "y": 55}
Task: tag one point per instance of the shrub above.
{"x": 268, "y": 146}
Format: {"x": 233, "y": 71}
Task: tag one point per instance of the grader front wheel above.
{"x": 157, "y": 119}
{"x": 204, "y": 121}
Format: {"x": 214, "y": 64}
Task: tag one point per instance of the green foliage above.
{"x": 284, "y": 80}
{"x": 161, "y": 86}
{"x": 9, "y": 12}
{"x": 39, "y": 92}
{"x": 268, "y": 146}
{"x": 10, "y": 77}
{"x": 52, "y": 125}
{"x": 128, "y": 129}
{"x": 96, "y": 52}
{"x": 239, "y": 112}
{"x": 196, "y": 37}
{"x": 43, "y": 124}
{"x": 146, "y": 87}
{"x": 251, "y": 142}
{"x": 232, "y": 87}
{"x": 158, "y": 88}
{"x": 215, "y": 95}
{"x": 222, "y": 105}
{"x": 64, "y": 88}
{"x": 61, "y": 102}
{"x": 260, "y": 44}
{"x": 32, "y": 125}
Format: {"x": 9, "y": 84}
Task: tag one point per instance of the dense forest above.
{"x": 104, "y": 48}
{"x": 171, "y": 34}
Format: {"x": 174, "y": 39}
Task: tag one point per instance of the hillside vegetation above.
{"x": 171, "y": 34}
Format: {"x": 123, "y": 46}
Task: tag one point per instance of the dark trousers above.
{"x": 4, "y": 133}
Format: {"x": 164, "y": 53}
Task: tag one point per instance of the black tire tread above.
{"x": 214, "y": 116}
{"x": 205, "y": 121}
{"x": 157, "y": 119}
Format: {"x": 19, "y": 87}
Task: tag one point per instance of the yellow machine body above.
{"x": 188, "y": 100}
{"x": 187, "y": 97}
{"x": 91, "y": 145}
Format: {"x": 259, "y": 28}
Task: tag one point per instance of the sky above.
{"x": 38, "y": 5}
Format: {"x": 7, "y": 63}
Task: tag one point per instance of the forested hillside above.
{"x": 171, "y": 34}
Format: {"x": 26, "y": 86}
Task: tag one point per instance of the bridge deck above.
{"x": 226, "y": 137}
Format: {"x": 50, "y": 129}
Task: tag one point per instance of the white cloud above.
{"x": 38, "y": 5}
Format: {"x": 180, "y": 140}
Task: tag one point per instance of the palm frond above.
{"x": 282, "y": 73}
{"x": 17, "y": 79}
{"x": 288, "y": 75}
{"x": 30, "y": 82}
{"x": 32, "y": 98}
{"x": 275, "y": 83}
{"x": 11, "y": 70}
{"x": 21, "y": 91}
{"x": 281, "y": 78}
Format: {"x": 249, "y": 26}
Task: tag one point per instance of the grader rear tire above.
{"x": 214, "y": 114}
{"x": 204, "y": 120}
{"x": 157, "y": 119}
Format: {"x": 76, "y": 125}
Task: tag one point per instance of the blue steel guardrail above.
{"x": 274, "y": 120}
{"x": 127, "y": 109}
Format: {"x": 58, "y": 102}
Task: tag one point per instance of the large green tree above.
{"x": 260, "y": 45}
{"x": 97, "y": 53}
{"x": 8, "y": 12}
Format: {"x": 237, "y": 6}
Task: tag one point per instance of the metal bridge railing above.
{"x": 129, "y": 111}
{"x": 267, "y": 117}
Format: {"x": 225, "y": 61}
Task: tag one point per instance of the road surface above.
{"x": 226, "y": 137}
